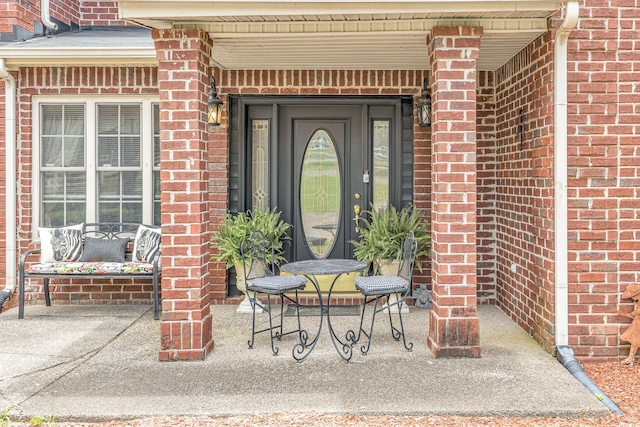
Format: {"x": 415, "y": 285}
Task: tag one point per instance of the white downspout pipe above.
{"x": 44, "y": 15}
{"x": 10, "y": 173}
{"x": 572, "y": 11}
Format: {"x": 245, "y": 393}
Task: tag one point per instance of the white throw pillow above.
{"x": 62, "y": 244}
{"x": 147, "y": 244}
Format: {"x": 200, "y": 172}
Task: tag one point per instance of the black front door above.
{"x": 326, "y": 178}
{"x": 319, "y": 160}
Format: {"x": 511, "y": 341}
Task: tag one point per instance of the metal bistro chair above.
{"x": 377, "y": 287}
{"x": 260, "y": 280}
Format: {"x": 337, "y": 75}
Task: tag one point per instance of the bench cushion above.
{"x": 97, "y": 268}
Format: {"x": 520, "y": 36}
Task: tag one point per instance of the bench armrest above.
{"x": 23, "y": 258}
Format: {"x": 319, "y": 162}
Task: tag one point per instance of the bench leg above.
{"x": 21, "y": 290}
{"x": 156, "y": 309}
{"x": 47, "y": 298}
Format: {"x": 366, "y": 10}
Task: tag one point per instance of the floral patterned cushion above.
{"x": 96, "y": 268}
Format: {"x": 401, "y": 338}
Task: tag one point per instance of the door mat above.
{"x": 336, "y": 310}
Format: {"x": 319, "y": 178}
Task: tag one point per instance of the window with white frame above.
{"x": 97, "y": 160}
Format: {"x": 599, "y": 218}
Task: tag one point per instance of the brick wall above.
{"x": 100, "y": 13}
{"x": 87, "y": 81}
{"x": 66, "y": 11}
{"x": 318, "y": 82}
{"x": 486, "y": 180}
{"x": 20, "y": 14}
{"x": 604, "y": 180}
{"x": 604, "y": 174}
{"x": 524, "y": 190}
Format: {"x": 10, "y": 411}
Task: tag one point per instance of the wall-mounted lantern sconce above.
{"x": 424, "y": 105}
{"x": 215, "y": 105}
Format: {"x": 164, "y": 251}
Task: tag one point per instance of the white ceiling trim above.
{"x": 223, "y": 29}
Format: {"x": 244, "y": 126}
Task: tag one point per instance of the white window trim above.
{"x": 90, "y": 151}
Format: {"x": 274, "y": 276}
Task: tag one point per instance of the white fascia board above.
{"x": 54, "y": 57}
{"x": 175, "y": 10}
{"x": 342, "y": 28}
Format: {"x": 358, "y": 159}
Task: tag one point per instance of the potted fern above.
{"x": 381, "y": 238}
{"x": 234, "y": 229}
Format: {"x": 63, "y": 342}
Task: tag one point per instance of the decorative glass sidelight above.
{"x": 320, "y": 194}
{"x": 381, "y": 164}
{"x": 260, "y": 167}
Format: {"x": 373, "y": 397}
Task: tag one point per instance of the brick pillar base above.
{"x": 454, "y": 337}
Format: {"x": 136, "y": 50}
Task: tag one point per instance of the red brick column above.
{"x": 454, "y": 326}
{"x": 183, "y": 79}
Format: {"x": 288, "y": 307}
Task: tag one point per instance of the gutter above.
{"x": 572, "y": 12}
{"x": 44, "y": 15}
{"x": 564, "y": 352}
{"x": 10, "y": 170}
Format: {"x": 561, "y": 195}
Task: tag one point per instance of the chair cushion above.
{"x": 381, "y": 285}
{"x": 97, "y": 268}
{"x": 276, "y": 284}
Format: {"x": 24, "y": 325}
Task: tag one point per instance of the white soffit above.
{"x": 357, "y": 44}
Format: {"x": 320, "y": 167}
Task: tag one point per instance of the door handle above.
{"x": 356, "y": 209}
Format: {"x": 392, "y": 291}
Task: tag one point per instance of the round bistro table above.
{"x": 320, "y": 267}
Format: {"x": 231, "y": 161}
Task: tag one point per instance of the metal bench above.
{"x": 93, "y": 269}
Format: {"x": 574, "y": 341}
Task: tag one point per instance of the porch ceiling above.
{"x": 297, "y": 35}
{"x": 337, "y": 34}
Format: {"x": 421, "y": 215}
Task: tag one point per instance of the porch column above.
{"x": 183, "y": 76}
{"x": 454, "y": 326}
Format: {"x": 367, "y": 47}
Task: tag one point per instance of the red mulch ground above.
{"x": 621, "y": 383}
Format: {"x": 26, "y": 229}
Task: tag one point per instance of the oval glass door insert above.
{"x": 320, "y": 194}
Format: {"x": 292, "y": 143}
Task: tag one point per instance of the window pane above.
{"x": 51, "y": 151}
{"x": 156, "y": 198}
{"x": 130, "y": 120}
{"x": 74, "y": 120}
{"x": 53, "y": 214}
{"x": 157, "y": 215}
{"x": 380, "y": 164}
{"x": 108, "y": 151}
{"x": 132, "y": 185}
{"x": 109, "y": 212}
{"x": 107, "y": 119}
{"x": 260, "y": 164}
{"x": 156, "y": 135}
{"x": 51, "y": 120}
{"x": 53, "y": 185}
{"x": 74, "y": 151}
{"x": 108, "y": 185}
{"x": 320, "y": 194}
{"x": 76, "y": 213}
{"x": 130, "y": 151}
{"x": 132, "y": 212}
{"x": 76, "y": 185}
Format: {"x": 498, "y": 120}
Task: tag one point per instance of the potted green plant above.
{"x": 234, "y": 229}
{"x": 381, "y": 238}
